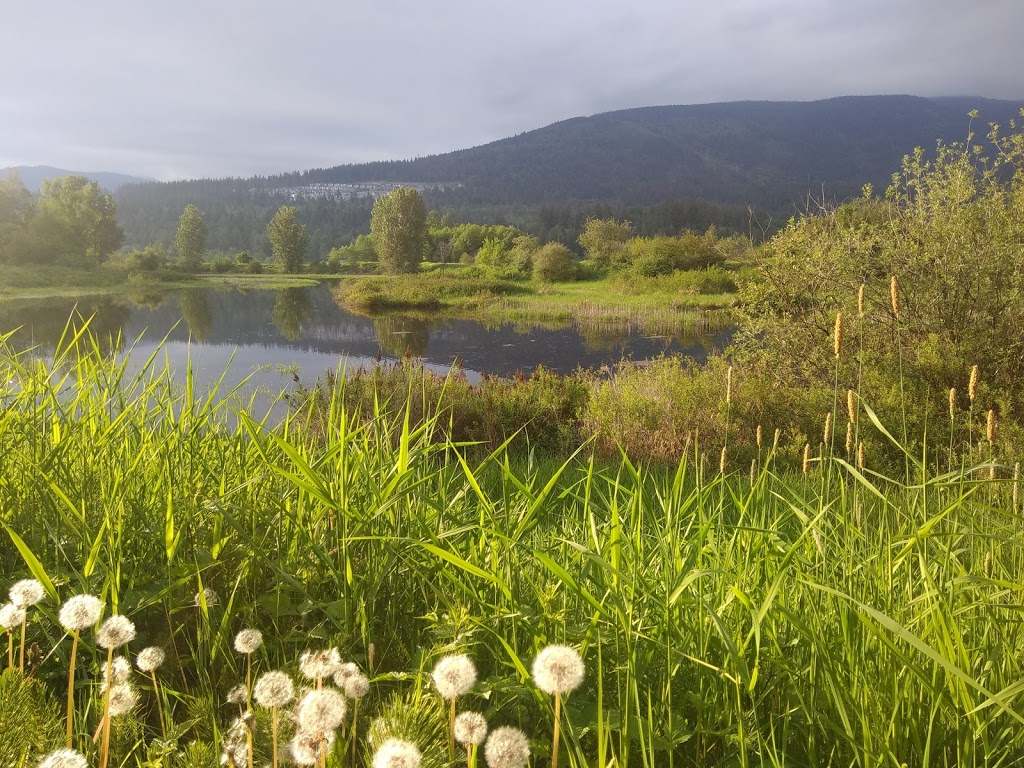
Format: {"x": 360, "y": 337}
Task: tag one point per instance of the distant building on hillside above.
{"x": 332, "y": 191}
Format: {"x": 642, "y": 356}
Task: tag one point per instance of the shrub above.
{"x": 554, "y": 263}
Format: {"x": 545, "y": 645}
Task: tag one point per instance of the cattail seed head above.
{"x": 64, "y": 758}
{"x": 356, "y": 686}
{"x": 320, "y": 711}
{"x": 26, "y": 593}
{"x": 150, "y": 659}
{"x": 273, "y": 689}
{"x": 397, "y": 753}
{"x": 753, "y": 472}
{"x": 507, "y": 747}
{"x": 454, "y": 676}
{"x": 837, "y": 335}
{"x": 728, "y": 385}
{"x": 775, "y": 439}
{"x": 860, "y": 301}
{"x": 851, "y": 406}
{"x": 952, "y": 402}
{"x": 988, "y": 565}
{"x": 470, "y": 728}
{"x": 80, "y": 612}
{"x": 558, "y": 669}
{"x": 861, "y": 456}
{"x": 849, "y": 437}
{"x": 115, "y": 632}
{"x": 1015, "y": 498}
{"x": 894, "y": 295}
{"x": 972, "y": 384}
{"x": 990, "y": 426}
{"x": 758, "y": 436}
{"x": 828, "y": 429}
{"x": 248, "y": 641}
{"x": 122, "y": 699}
{"x": 807, "y": 458}
{"x": 319, "y": 665}
{"x": 11, "y": 616}
{"x": 721, "y": 462}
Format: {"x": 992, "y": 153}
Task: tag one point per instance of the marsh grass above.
{"x": 842, "y": 619}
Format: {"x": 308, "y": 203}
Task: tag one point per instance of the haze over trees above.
{"x": 288, "y": 239}
{"x": 399, "y": 229}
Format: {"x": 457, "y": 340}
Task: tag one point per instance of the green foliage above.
{"x": 349, "y": 258}
{"x": 429, "y": 291}
{"x": 604, "y": 240}
{"x": 655, "y": 256}
{"x": 399, "y": 228}
{"x": 190, "y": 240}
{"x": 288, "y": 239}
{"x": 554, "y": 263}
{"x": 152, "y": 258}
{"x": 30, "y": 723}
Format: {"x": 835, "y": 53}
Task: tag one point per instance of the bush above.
{"x": 152, "y": 258}
{"x": 655, "y": 256}
{"x": 554, "y": 263}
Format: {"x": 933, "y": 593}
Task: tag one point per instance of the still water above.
{"x": 276, "y": 337}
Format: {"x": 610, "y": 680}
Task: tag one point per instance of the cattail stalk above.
{"x": 71, "y": 688}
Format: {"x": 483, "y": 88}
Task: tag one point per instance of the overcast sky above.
{"x": 187, "y": 88}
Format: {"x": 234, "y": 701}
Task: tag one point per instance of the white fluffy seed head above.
{"x": 150, "y": 659}
{"x": 356, "y": 686}
{"x": 397, "y": 753}
{"x": 470, "y": 728}
{"x": 273, "y": 689}
{"x": 248, "y": 641}
{"x": 454, "y": 676}
{"x": 207, "y": 595}
{"x": 237, "y": 695}
{"x": 306, "y": 748}
{"x": 80, "y": 612}
{"x": 11, "y": 616}
{"x": 27, "y": 592}
{"x": 320, "y": 711}
{"x": 64, "y": 758}
{"x": 345, "y": 671}
{"x": 558, "y": 669}
{"x": 507, "y": 747}
{"x": 115, "y": 632}
{"x": 122, "y": 699}
{"x": 120, "y": 671}
{"x": 319, "y": 665}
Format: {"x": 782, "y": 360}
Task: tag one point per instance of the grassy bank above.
{"x": 833, "y": 618}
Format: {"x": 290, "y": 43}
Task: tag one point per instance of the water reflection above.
{"x": 304, "y": 330}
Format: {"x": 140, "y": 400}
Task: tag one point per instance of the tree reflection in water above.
{"x": 402, "y": 336}
{"x": 291, "y": 310}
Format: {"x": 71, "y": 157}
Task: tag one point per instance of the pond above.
{"x": 282, "y": 336}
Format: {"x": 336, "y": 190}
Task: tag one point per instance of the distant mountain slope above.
{"x": 33, "y": 175}
{"x": 759, "y": 152}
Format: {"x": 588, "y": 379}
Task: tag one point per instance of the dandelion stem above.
{"x": 355, "y": 715}
{"x": 451, "y": 731}
{"x": 159, "y": 705}
{"x": 558, "y": 717}
{"x": 71, "y": 687}
{"x": 10, "y": 649}
{"x": 105, "y": 746}
{"x": 248, "y": 706}
{"x": 21, "y": 652}
{"x": 273, "y": 733}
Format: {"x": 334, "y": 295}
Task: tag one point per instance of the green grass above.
{"x": 835, "y": 619}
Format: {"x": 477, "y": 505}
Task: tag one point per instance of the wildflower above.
{"x": 115, "y": 632}
{"x": 356, "y": 686}
{"x": 150, "y": 659}
{"x": 558, "y": 669}
{"x": 80, "y": 612}
{"x": 122, "y": 699}
{"x": 208, "y": 596}
{"x": 894, "y": 296}
{"x": 11, "y": 616}
{"x": 972, "y": 384}
{"x": 64, "y": 758}
{"x": 345, "y": 671}
{"x": 470, "y": 728}
{"x": 273, "y": 689}
{"x": 236, "y": 695}
{"x": 396, "y": 753}
{"x": 454, "y": 676}
{"x": 248, "y": 641}
{"x": 26, "y": 593}
{"x": 320, "y": 711}
{"x": 837, "y": 335}
{"x": 317, "y": 665}
{"x": 507, "y": 747}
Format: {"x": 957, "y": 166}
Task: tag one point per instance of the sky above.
{"x": 174, "y": 89}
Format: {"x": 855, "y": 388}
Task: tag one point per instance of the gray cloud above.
{"x": 199, "y": 88}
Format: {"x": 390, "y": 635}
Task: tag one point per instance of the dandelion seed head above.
{"x": 26, "y": 593}
{"x": 211, "y": 598}
{"x": 558, "y": 669}
{"x": 80, "y": 612}
{"x": 237, "y": 695}
{"x": 397, "y": 753}
{"x": 507, "y": 747}
{"x": 321, "y": 711}
{"x": 11, "y": 616}
{"x": 306, "y": 748}
{"x": 119, "y": 671}
{"x": 470, "y": 728}
{"x": 318, "y": 665}
{"x": 115, "y": 632}
{"x": 356, "y": 686}
{"x": 454, "y": 675}
{"x": 248, "y": 641}
{"x": 122, "y": 699}
{"x": 64, "y": 758}
{"x": 345, "y": 671}
{"x": 273, "y": 689}
{"x": 150, "y": 659}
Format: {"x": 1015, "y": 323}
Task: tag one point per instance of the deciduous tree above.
{"x": 399, "y": 227}
{"x": 288, "y": 238}
{"x": 191, "y": 237}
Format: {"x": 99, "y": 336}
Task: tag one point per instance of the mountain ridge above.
{"x": 32, "y": 176}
